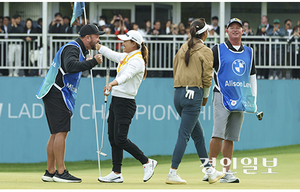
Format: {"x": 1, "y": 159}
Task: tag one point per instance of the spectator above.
{"x": 102, "y": 25}
{"x": 295, "y": 51}
{"x": 168, "y": 27}
{"x": 29, "y": 47}
{"x": 215, "y": 21}
{"x": 115, "y": 23}
{"x": 247, "y": 30}
{"x": 174, "y": 29}
{"x": 39, "y": 29}
{"x": 57, "y": 25}
{"x": 122, "y": 29}
{"x": 157, "y": 61}
{"x": 147, "y": 27}
{"x": 264, "y": 21}
{"x": 288, "y": 27}
{"x": 182, "y": 30}
{"x": 180, "y": 25}
{"x": 66, "y": 26}
{"x": 188, "y": 33}
{"x": 286, "y": 73}
{"x": 126, "y": 22}
{"x": 275, "y": 31}
{"x": 5, "y": 28}
{"x": 76, "y": 26}
{"x": 14, "y": 49}
{"x": 135, "y": 26}
{"x": 263, "y": 50}
{"x": 156, "y": 30}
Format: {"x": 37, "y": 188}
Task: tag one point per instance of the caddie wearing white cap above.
{"x": 131, "y": 71}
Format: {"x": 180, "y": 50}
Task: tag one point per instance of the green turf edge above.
{"x": 89, "y": 164}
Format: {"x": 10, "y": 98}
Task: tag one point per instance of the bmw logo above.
{"x": 239, "y": 67}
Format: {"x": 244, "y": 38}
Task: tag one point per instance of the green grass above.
{"x": 28, "y": 176}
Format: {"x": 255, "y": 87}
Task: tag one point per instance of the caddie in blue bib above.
{"x": 233, "y": 78}
{"x": 71, "y": 80}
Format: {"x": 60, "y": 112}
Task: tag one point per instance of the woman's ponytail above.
{"x": 196, "y": 25}
{"x": 144, "y": 51}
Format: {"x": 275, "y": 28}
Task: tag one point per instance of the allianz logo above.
{"x": 232, "y": 83}
{"x": 71, "y": 88}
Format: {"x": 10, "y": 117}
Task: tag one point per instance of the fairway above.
{"x": 28, "y": 176}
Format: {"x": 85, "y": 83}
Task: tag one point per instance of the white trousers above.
{"x": 14, "y": 55}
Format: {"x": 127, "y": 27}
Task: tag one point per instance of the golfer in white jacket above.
{"x": 130, "y": 73}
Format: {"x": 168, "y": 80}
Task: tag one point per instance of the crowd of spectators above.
{"x": 119, "y": 25}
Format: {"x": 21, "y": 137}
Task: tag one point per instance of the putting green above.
{"x": 287, "y": 176}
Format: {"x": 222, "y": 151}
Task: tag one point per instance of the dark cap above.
{"x": 276, "y": 21}
{"x": 235, "y": 20}
{"x": 90, "y": 29}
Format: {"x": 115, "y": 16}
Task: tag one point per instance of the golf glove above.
{"x": 189, "y": 93}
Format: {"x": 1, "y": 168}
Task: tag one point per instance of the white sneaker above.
{"x": 214, "y": 175}
{"x": 205, "y": 178}
{"x": 229, "y": 178}
{"x": 174, "y": 179}
{"x": 112, "y": 178}
{"x": 149, "y": 169}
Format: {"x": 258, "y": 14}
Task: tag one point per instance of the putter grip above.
{"x": 107, "y": 80}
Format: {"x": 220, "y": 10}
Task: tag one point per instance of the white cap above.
{"x": 101, "y": 23}
{"x": 132, "y": 35}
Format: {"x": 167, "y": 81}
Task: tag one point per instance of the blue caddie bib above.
{"x": 71, "y": 80}
{"x": 233, "y": 78}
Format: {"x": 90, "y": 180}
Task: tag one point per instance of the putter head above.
{"x": 103, "y": 154}
{"x": 260, "y": 115}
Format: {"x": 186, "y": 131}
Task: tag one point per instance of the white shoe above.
{"x": 112, "y": 178}
{"x": 229, "y": 178}
{"x": 214, "y": 175}
{"x": 174, "y": 179}
{"x": 205, "y": 178}
{"x": 149, "y": 169}
{"x": 10, "y": 75}
{"x": 271, "y": 77}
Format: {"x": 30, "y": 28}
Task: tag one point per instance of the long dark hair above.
{"x": 196, "y": 25}
{"x": 145, "y": 52}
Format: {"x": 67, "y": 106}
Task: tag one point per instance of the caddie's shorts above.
{"x": 57, "y": 113}
{"x": 227, "y": 125}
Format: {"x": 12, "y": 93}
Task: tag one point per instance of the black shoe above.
{"x": 65, "y": 177}
{"x": 48, "y": 177}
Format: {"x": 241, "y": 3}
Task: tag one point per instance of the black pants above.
{"x": 121, "y": 111}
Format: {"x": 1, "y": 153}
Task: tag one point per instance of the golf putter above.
{"x": 259, "y": 115}
{"x": 105, "y": 102}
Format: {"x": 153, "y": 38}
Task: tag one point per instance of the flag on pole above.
{"x": 78, "y": 9}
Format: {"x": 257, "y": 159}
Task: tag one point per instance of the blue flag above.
{"x": 78, "y": 9}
